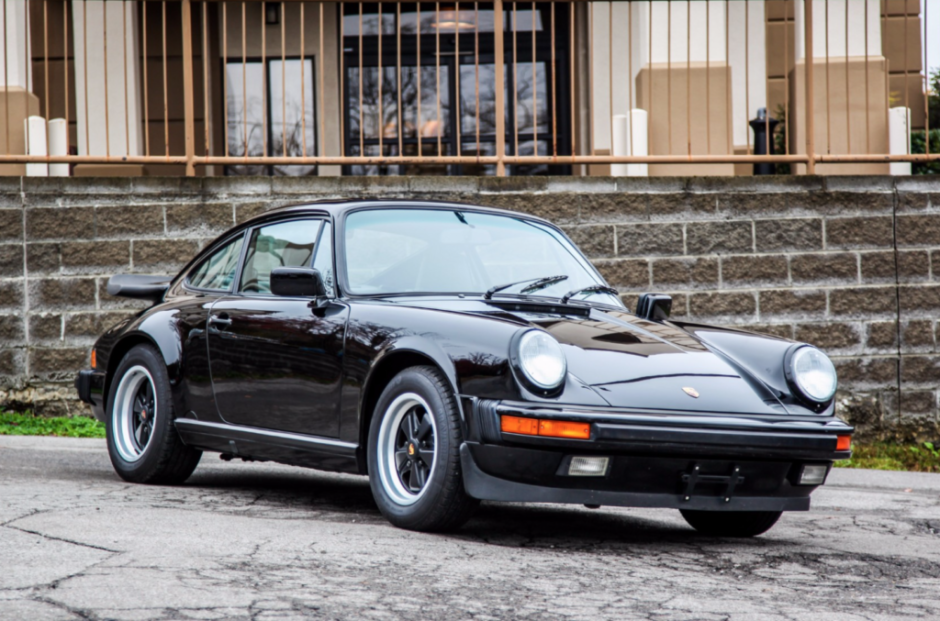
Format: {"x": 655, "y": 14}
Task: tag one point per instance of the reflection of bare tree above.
{"x": 292, "y": 136}
{"x": 245, "y": 131}
{"x": 428, "y": 126}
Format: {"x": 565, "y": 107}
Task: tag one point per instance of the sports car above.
{"x": 453, "y": 354}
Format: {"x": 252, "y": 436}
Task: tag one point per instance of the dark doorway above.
{"x": 453, "y": 44}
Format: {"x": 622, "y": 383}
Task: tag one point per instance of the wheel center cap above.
{"x": 411, "y": 449}
{"x": 143, "y": 414}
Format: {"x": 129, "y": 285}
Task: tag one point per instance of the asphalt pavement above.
{"x": 260, "y": 541}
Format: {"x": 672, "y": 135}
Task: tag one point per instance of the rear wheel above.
{"x": 731, "y": 523}
{"x": 142, "y": 441}
{"x": 414, "y": 453}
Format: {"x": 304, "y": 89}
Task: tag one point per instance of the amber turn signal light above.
{"x": 546, "y": 428}
{"x": 94, "y": 358}
{"x": 518, "y": 424}
{"x": 564, "y": 429}
{"x": 843, "y": 443}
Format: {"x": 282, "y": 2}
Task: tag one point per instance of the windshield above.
{"x": 410, "y": 251}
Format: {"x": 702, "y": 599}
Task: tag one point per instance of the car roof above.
{"x": 339, "y": 207}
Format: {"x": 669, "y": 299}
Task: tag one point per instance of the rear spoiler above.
{"x": 139, "y": 286}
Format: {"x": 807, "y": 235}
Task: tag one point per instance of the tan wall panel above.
{"x": 707, "y": 84}
{"x": 895, "y": 38}
{"x": 845, "y": 131}
{"x": 17, "y": 99}
{"x": 900, "y": 7}
{"x": 692, "y": 170}
{"x": 779, "y": 9}
{"x": 709, "y": 115}
{"x": 777, "y": 63}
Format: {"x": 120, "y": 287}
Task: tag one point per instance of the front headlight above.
{"x": 541, "y": 359}
{"x": 812, "y": 373}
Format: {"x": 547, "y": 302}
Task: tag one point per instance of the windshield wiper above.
{"x": 537, "y": 283}
{"x": 589, "y": 289}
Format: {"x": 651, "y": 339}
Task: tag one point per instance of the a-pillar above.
{"x": 108, "y": 119}
{"x": 849, "y": 99}
{"x": 16, "y": 99}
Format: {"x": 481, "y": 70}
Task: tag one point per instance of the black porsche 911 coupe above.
{"x": 454, "y": 354}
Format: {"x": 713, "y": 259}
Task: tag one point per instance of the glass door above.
{"x": 455, "y": 52}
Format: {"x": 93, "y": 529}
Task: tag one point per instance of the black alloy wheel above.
{"x": 414, "y": 453}
{"x": 142, "y": 440}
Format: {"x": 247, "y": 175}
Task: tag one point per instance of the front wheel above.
{"x": 414, "y": 453}
{"x": 142, "y": 440}
{"x": 731, "y": 523}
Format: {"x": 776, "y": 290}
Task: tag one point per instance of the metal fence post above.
{"x": 188, "y": 121}
{"x": 500, "y": 88}
{"x": 810, "y": 121}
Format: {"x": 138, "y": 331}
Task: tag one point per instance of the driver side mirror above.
{"x": 297, "y": 282}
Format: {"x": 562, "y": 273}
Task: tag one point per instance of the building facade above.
{"x": 350, "y": 82}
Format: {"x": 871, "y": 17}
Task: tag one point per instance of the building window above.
{"x": 270, "y": 108}
{"x": 469, "y": 128}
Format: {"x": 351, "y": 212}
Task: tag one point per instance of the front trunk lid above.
{"x": 631, "y": 362}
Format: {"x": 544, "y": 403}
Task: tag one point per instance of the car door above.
{"x": 209, "y": 280}
{"x": 276, "y": 361}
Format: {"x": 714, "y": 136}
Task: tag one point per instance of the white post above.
{"x": 625, "y": 144}
{"x": 620, "y": 139}
{"x": 58, "y": 145}
{"x": 899, "y": 139}
{"x": 638, "y": 142}
{"x": 35, "y": 128}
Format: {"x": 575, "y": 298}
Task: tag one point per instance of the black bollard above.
{"x": 763, "y": 140}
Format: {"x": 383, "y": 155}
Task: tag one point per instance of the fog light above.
{"x": 588, "y": 466}
{"x": 813, "y": 474}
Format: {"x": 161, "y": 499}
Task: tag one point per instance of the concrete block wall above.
{"x": 849, "y": 264}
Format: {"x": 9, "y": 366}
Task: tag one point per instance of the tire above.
{"x": 142, "y": 441}
{"x": 731, "y": 523}
{"x": 415, "y": 429}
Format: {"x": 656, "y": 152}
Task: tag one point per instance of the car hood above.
{"x": 631, "y": 362}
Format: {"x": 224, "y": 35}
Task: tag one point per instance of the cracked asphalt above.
{"x": 259, "y": 541}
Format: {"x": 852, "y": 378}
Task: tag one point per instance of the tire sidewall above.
{"x": 411, "y": 380}
{"x": 139, "y": 471}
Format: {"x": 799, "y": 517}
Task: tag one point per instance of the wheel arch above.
{"x": 124, "y": 345}
{"x": 382, "y": 372}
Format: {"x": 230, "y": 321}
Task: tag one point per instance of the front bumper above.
{"x": 90, "y": 387}
{"x": 656, "y": 459}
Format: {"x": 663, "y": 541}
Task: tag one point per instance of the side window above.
{"x": 324, "y": 261}
{"x": 285, "y": 244}
{"x": 218, "y": 270}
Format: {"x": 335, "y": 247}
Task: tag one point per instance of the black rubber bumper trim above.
{"x": 85, "y": 381}
{"x": 483, "y": 486}
{"x": 716, "y": 437}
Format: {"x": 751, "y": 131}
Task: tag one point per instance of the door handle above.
{"x": 220, "y": 320}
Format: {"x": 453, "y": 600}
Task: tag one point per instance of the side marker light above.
{"x": 844, "y": 443}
